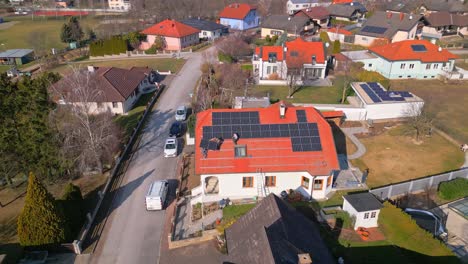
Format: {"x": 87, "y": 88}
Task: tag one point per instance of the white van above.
{"x": 156, "y": 196}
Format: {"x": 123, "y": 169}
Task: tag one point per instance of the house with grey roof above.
{"x": 209, "y": 30}
{"x": 319, "y": 15}
{"x": 284, "y": 24}
{"x": 346, "y": 12}
{"x": 451, "y": 6}
{"x": 104, "y": 89}
{"x": 275, "y": 232}
{"x": 404, "y": 6}
{"x": 16, "y": 56}
{"x": 444, "y": 24}
{"x": 388, "y": 27}
{"x": 292, "y": 6}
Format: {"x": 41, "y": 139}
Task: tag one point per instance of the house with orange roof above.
{"x": 239, "y": 16}
{"x": 247, "y": 153}
{"x": 176, "y": 35}
{"x": 340, "y": 34}
{"x": 407, "y": 59}
{"x": 274, "y": 62}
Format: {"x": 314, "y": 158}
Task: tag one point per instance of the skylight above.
{"x": 418, "y": 48}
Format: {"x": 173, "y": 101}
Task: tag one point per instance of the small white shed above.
{"x": 364, "y": 207}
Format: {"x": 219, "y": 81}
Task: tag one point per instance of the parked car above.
{"x": 13, "y": 72}
{"x": 428, "y": 221}
{"x": 156, "y": 196}
{"x": 181, "y": 113}
{"x": 170, "y": 148}
{"x": 175, "y": 130}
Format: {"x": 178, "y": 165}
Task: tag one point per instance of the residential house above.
{"x": 364, "y": 207}
{"x": 451, "y": 6}
{"x": 387, "y": 27}
{"x": 418, "y": 59}
{"x": 273, "y": 149}
{"x": 275, "y": 232}
{"x": 107, "y": 89}
{"x": 442, "y": 24}
{"x": 16, "y": 56}
{"x": 62, "y": 4}
{"x": 345, "y": 12}
{"x": 318, "y": 14}
{"x": 404, "y": 6}
{"x": 342, "y": 35}
{"x": 284, "y": 24}
{"x": 239, "y": 16}
{"x": 293, "y": 6}
{"x": 209, "y": 30}
{"x": 457, "y": 218}
{"x": 119, "y": 4}
{"x": 308, "y": 57}
{"x": 176, "y": 35}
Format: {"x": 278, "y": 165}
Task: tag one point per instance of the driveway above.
{"x": 130, "y": 234}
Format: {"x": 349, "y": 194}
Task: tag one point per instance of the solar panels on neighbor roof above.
{"x": 375, "y": 30}
{"x": 378, "y": 94}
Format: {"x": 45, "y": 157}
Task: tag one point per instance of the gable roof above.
{"x": 114, "y": 84}
{"x": 403, "y": 50}
{"x": 170, "y": 28}
{"x": 236, "y": 11}
{"x": 264, "y": 51}
{"x": 339, "y": 10}
{"x": 403, "y": 6}
{"x": 305, "y": 1}
{"x": 388, "y": 23}
{"x": 452, "y": 6}
{"x": 357, "y": 5}
{"x": 305, "y": 51}
{"x": 339, "y": 31}
{"x": 363, "y": 202}
{"x": 316, "y": 12}
{"x": 202, "y": 24}
{"x": 445, "y": 18}
{"x": 267, "y": 146}
{"x": 15, "y": 53}
{"x": 274, "y": 232}
{"x": 294, "y": 24}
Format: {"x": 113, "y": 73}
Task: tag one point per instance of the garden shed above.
{"x": 364, "y": 207}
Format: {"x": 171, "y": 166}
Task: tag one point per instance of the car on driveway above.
{"x": 175, "y": 130}
{"x": 181, "y": 113}
{"x": 170, "y": 148}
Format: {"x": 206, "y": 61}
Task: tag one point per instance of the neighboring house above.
{"x": 16, "y": 56}
{"x": 309, "y": 57}
{"x": 280, "y": 147}
{"x": 452, "y": 6}
{"x": 418, "y": 59}
{"x": 404, "y": 6}
{"x": 292, "y": 6}
{"x": 457, "y": 218}
{"x": 284, "y": 24}
{"x": 318, "y": 14}
{"x": 345, "y": 12}
{"x": 364, "y": 207}
{"x": 387, "y": 27}
{"x": 442, "y": 24}
{"x": 339, "y": 34}
{"x": 119, "y": 4}
{"x": 209, "y": 30}
{"x": 251, "y": 102}
{"x": 239, "y": 16}
{"x": 274, "y": 232}
{"x": 176, "y": 35}
{"x": 109, "y": 89}
{"x": 62, "y": 4}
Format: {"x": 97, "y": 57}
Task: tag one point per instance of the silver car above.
{"x": 181, "y": 113}
{"x": 170, "y": 148}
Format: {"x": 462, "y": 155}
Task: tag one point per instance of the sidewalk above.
{"x": 361, "y": 149}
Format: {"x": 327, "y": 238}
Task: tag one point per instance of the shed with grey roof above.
{"x": 16, "y": 56}
{"x": 364, "y": 207}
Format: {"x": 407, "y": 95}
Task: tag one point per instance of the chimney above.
{"x": 402, "y": 16}
{"x": 91, "y": 68}
{"x": 282, "y": 109}
{"x": 389, "y": 15}
{"x": 304, "y": 259}
{"x": 439, "y": 49}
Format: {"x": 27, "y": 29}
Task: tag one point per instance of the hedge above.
{"x": 114, "y": 45}
{"x": 454, "y": 189}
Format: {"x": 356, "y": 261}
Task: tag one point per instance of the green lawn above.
{"x": 308, "y": 94}
{"x": 4, "y": 68}
{"x": 129, "y": 121}
{"x": 235, "y": 211}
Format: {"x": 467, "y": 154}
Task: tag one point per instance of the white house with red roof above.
{"x": 176, "y": 35}
{"x": 278, "y": 148}
{"x": 339, "y": 34}
{"x": 408, "y": 59}
{"x": 239, "y": 16}
{"x": 277, "y": 60}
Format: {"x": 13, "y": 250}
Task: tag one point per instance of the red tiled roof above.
{"x": 268, "y": 154}
{"x": 332, "y": 114}
{"x": 170, "y": 28}
{"x": 265, "y": 50}
{"x": 402, "y": 50}
{"x": 317, "y": 12}
{"x": 236, "y": 11}
{"x": 341, "y": 1}
{"x": 340, "y": 57}
{"x": 339, "y": 31}
{"x": 304, "y": 50}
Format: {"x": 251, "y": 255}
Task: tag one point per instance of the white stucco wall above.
{"x": 391, "y": 110}
{"x": 365, "y": 41}
{"x": 359, "y": 216}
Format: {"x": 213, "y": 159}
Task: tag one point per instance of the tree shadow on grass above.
{"x": 12, "y": 251}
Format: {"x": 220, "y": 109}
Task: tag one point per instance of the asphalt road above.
{"x": 131, "y": 234}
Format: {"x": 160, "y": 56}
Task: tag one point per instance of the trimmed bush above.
{"x": 114, "y": 45}
{"x": 225, "y": 57}
{"x": 73, "y": 208}
{"x": 191, "y": 122}
{"x": 324, "y": 37}
{"x": 453, "y": 189}
{"x": 41, "y": 223}
{"x": 336, "y": 47}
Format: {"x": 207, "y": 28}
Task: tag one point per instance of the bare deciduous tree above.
{"x": 420, "y": 120}
{"x": 294, "y": 73}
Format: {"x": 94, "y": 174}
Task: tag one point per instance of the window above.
{"x": 270, "y": 181}
{"x": 240, "y": 151}
{"x": 400, "y": 76}
{"x": 425, "y": 77}
{"x": 268, "y": 69}
{"x": 370, "y": 65}
{"x": 294, "y": 54}
{"x": 297, "y": 5}
{"x": 275, "y": 69}
{"x": 411, "y": 66}
{"x": 247, "y": 182}
{"x": 402, "y": 66}
{"x": 432, "y": 77}
{"x": 428, "y": 66}
{"x": 115, "y": 104}
{"x": 330, "y": 180}
{"x": 304, "y": 5}
{"x": 305, "y": 182}
{"x": 366, "y": 216}
{"x": 436, "y": 66}
{"x": 364, "y": 39}
{"x": 204, "y": 33}
{"x": 409, "y": 76}
{"x": 373, "y": 214}
{"x": 318, "y": 184}
{"x": 100, "y": 105}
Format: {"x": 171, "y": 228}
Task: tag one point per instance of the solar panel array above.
{"x": 377, "y": 94}
{"x": 304, "y": 136}
{"x": 372, "y": 29}
{"x": 418, "y": 48}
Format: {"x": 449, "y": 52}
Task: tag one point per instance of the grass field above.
{"x": 394, "y": 157}
{"x": 308, "y": 94}
{"x": 128, "y": 122}
{"x": 448, "y": 101}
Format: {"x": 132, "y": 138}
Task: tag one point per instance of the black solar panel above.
{"x": 377, "y": 94}
{"x": 418, "y": 48}
{"x": 204, "y": 143}
{"x": 372, "y": 29}
{"x": 212, "y": 145}
{"x": 306, "y": 144}
{"x": 301, "y": 116}
{"x": 231, "y": 118}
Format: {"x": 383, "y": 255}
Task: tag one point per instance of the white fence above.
{"x": 418, "y": 185}
{"x": 352, "y": 113}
